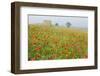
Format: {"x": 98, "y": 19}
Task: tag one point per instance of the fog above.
{"x": 76, "y": 21}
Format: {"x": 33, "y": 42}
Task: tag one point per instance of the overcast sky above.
{"x": 81, "y": 22}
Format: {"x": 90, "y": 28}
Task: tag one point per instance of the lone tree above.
{"x": 68, "y": 24}
{"x": 57, "y": 24}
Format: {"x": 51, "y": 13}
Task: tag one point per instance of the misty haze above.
{"x": 75, "y": 22}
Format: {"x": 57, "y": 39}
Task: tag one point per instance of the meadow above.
{"x": 53, "y": 42}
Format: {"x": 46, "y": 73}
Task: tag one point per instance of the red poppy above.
{"x": 37, "y": 55}
{"x": 33, "y": 59}
{"x": 33, "y": 36}
{"x": 38, "y": 48}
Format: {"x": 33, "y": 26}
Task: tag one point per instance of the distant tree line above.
{"x": 68, "y": 24}
{"x": 49, "y": 23}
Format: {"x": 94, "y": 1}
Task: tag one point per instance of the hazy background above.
{"x": 76, "y": 21}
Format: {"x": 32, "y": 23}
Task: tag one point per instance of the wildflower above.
{"x": 37, "y": 55}
{"x": 33, "y": 36}
{"x": 33, "y": 59}
{"x": 38, "y": 48}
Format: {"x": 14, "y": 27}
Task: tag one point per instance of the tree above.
{"x": 68, "y": 24}
{"x": 56, "y": 24}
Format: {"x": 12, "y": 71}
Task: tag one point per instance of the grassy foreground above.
{"x": 51, "y": 42}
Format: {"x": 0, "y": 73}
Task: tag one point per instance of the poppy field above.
{"x": 52, "y": 43}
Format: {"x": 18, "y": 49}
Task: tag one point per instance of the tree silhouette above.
{"x": 57, "y": 24}
{"x": 68, "y": 24}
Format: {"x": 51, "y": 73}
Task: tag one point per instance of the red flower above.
{"x": 38, "y": 48}
{"x": 37, "y": 55}
{"x": 33, "y": 36}
{"x": 33, "y": 59}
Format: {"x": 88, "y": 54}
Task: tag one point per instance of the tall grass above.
{"x": 51, "y": 42}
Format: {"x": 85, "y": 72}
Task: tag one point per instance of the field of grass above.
{"x": 51, "y": 42}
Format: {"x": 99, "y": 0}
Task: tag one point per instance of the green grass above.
{"x": 49, "y": 42}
